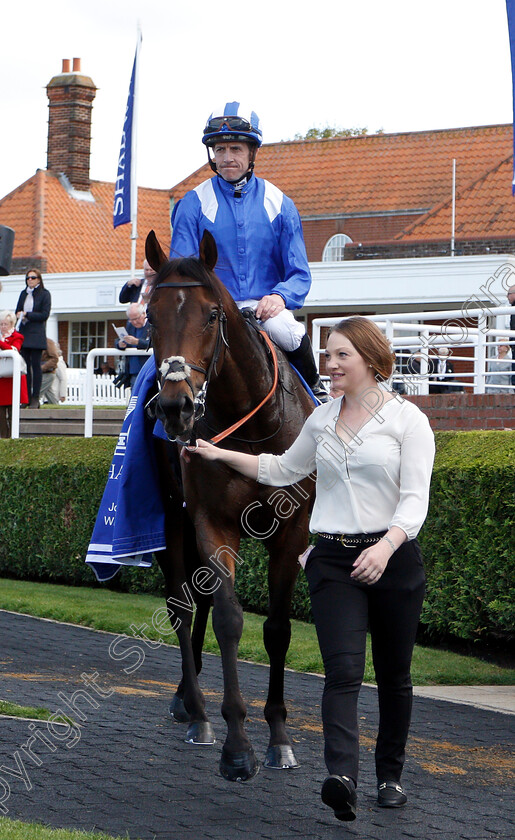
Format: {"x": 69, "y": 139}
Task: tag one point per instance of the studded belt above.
{"x": 352, "y": 540}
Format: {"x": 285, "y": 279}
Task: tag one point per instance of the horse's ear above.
{"x": 155, "y": 255}
{"x": 208, "y": 251}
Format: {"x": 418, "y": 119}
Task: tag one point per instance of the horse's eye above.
{"x": 213, "y": 316}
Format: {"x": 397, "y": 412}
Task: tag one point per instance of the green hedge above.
{"x": 52, "y": 488}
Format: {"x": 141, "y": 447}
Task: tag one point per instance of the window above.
{"x": 335, "y": 248}
{"x": 84, "y": 336}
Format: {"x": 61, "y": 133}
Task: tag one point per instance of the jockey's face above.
{"x": 232, "y": 160}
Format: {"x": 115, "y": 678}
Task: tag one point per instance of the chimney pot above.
{"x": 66, "y": 65}
{"x": 76, "y": 65}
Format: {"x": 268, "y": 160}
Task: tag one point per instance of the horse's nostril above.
{"x": 180, "y": 407}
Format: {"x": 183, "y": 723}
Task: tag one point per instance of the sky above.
{"x": 398, "y": 66}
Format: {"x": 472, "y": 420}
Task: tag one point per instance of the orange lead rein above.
{"x": 221, "y": 435}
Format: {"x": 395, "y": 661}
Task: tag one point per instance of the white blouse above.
{"x": 379, "y": 479}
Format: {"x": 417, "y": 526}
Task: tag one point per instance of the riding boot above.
{"x": 303, "y": 359}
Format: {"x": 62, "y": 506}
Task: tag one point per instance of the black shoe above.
{"x": 390, "y": 795}
{"x": 339, "y": 792}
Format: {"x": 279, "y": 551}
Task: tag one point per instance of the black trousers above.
{"x": 343, "y": 610}
{"x": 34, "y": 373}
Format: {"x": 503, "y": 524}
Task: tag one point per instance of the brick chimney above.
{"x": 70, "y": 98}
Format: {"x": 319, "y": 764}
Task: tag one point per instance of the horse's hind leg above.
{"x": 276, "y": 636}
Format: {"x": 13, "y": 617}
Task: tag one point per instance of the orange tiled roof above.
{"x": 376, "y": 173}
{"x": 485, "y": 208}
{"x": 338, "y": 177}
{"x": 74, "y": 235}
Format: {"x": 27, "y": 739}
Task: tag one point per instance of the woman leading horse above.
{"x": 214, "y": 371}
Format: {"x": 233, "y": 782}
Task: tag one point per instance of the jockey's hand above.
{"x": 269, "y": 306}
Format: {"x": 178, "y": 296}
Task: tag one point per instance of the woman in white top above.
{"x": 373, "y": 455}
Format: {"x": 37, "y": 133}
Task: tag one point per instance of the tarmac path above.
{"x": 126, "y": 770}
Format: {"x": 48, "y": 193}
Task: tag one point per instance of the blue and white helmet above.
{"x": 232, "y": 123}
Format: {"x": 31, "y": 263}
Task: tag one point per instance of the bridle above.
{"x": 177, "y": 369}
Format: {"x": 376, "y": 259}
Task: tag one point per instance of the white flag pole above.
{"x": 453, "y": 223}
{"x": 134, "y": 161}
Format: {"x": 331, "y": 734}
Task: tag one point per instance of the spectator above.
{"x": 138, "y": 337}
{"x": 104, "y": 369}
{"x": 135, "y": 290}
{"x": 499, "y": 372}
{"x": 49, "y": 362}
{"x": 59, "y": 390}
{"x": 9, "y": 339}
{"x": 32, "y": 311}
{"x": 511, "y": 301}
{"x": 440, "y": 368}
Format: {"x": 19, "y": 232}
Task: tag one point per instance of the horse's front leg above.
{"x": 282, "y": 573}
{"x": 188, "y": 704}
{"x": 238, "y": 761}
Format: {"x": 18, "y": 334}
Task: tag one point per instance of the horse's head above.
{"x": 188, "y": 332}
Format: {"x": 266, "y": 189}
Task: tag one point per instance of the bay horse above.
{"x": 213, "y": 369}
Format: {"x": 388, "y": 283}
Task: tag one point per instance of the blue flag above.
{"x": 125, "y": 191}
{"x": 510, "y": 8}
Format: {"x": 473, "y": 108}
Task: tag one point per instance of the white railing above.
{"x": 105, "y": 391}
{"x": 15, "y": 415}
{"x": 413, "y": 333}
{"x": 90, "y": 377}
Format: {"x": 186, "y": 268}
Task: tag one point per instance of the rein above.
{"x": 221, "y": 435}
{"x": 176, "y": 369}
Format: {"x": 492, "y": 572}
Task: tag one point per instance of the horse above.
{"x": 219, "y": 380}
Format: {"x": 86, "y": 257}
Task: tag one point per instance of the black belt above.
{"x": 352, "y": 540}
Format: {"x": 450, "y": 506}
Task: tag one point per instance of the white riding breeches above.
{"x": 282, "y": 328}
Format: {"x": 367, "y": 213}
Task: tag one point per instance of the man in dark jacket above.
{"x": 135, "y": 289}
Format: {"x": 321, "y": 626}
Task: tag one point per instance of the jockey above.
{"x": 262, "y": 258}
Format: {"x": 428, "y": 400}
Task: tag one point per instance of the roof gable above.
{"x": 71, "y": 234}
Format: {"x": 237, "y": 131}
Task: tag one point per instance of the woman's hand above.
{"x": 205, "y": 450}
{"x": 371, "y": 563}
{"x": 242, "y": 462}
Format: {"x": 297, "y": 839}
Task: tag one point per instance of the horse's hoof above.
{"x": 200, "y": 732}
{"x": 280, "y": 757}
{"x": 178, "y": 710}
{"x": 238, "y": 767}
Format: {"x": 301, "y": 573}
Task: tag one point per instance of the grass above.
{"x": 103, "y": 609}
{"x": 13, "y": 710}
{"x": 16, "y": 830}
